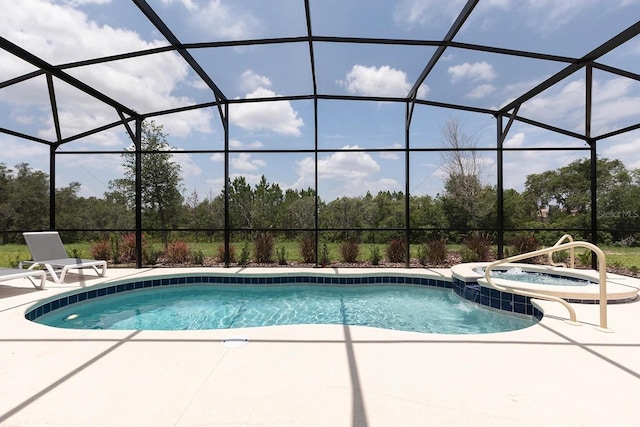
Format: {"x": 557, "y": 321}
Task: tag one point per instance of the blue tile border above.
{"x": 496, "y": 299}
{"x": 471, "y": 291}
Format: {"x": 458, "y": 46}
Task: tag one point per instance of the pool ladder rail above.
{"x": 559, "y": 246}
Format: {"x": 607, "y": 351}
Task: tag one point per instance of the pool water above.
{"x": 519, "y": 275}
{"x": 400, "y": 307}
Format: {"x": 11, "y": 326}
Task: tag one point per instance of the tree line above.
{"x": 555, "y": 199}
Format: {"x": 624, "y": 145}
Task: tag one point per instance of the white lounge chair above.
{"x": 16, "y": 273}
{"x": 47, "y": 250}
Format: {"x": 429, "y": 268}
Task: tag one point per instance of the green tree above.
{"x": 299, "y": 209}
{"x": 69, "y": 214}
{"x": 266, "y": 204}
{"x": 240, "y": 203}
{"x": 6, "y": 209}
{"x": 517, "y": 212}
{"x": 207, "y": 214}
{"x": 345, "y": 212}
{"x": 428, "y": 212}
{"x": 385, "y": 210}
{"x": 161, "y": 196}
{"x": 117, "y": 211}
{"x": 566, "y": 193}
{"x": 29, "y": 197}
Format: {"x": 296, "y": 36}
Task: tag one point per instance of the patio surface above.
{"x": 551, "y": 374}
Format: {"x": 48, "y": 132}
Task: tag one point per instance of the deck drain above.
{"x": 233, "y": 342}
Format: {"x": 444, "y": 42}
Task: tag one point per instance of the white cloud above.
{"x": 623, "y": 147}
{"x": 481, "y": 91}
{"x": 190, "y": 5}
{"x": 236, "y": 144}
{"x": 346, "y": 173}
{"x": 613, "y": 101}
{"x": 546, "y": 16}
{"x": 244, "y": 162}
{"x": 251, "y": 81}
{"x": 22, "y": 118}
{"x": 426, "y": 12}
{"x": 82, "y": 2}
{"x": 61, "y": 34}
{"x": 473, "y": 71}
{"x": 276, "y": 116}
{"x": 222, "y": 20}
{"x": 553, "y": 106}
{"x": 382, "y": 81}
{"x": 515, "y": 140}
{"x": 16, "y": 150}
{"x": 347, "y": 165}
{"x": 391, "y": 155}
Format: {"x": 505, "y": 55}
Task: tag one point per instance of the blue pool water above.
{"x": 399, "y": 307}
{"x": 519, "y": 275}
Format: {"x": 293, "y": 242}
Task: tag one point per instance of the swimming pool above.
{"x": 405, "y": 306}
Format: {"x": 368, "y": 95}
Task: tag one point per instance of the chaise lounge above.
{"x": 48, "y": 251}
{"x": 16, "y": 273}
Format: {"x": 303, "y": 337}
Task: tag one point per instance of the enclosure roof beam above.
{"x": 57, "y": 72}
{"x": 168, "y": 34}
{"x": 590, "y": 57}
{"x": 24, "y": 136}
{"x": 462, "y": 17}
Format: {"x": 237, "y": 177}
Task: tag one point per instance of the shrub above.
{"x": 177, "y": 252}
{"x": 422, "y": 255}
{"x": 75, "y": 253}
{"x": 245, "y": 254}
{"x": 374, "y": 255}
{"x": 15, "y": 262}
{"x": 561, "y": 256}
{"x": 480, "y": 244}
{"x": 197, "y": 257}
{"x": 307, "y": 245}
{"x": 584, "y": 258}
{"x": 523, "y": 243}
{"x": 263, "y": 248}
{"x": 101, "y": 250}
{"x": 396, "y": 251}
{"x": 467, "y": 255}
{"x": 151, "y": 256}
{"x": 128, "y": 247}
{"x": 349, "y": 250}
{"x": 325, "y": 258}
{"x": 436, "y": 252}
{"x": 115, "y": 247}
{"x": 220, "y": 252}
{"x": 282, "y": 256}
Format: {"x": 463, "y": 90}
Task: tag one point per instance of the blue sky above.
{"x": 62, "y": 31}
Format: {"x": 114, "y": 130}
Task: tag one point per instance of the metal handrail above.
{"x": 572, "y": 255}
{"x": 602, "y": 267}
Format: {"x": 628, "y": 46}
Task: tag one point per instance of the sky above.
{"x": 65, "y": 31}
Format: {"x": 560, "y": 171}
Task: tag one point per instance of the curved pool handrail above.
{"x": 572, "y": 255}
{"x": 602, "y": 270}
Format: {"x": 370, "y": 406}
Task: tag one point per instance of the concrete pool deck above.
{"x": 551, "y": 374}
